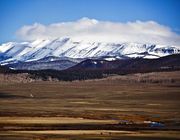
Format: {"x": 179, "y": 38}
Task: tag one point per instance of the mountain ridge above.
{"x": 64, "y": 53}
{"x": 137, "y": 64}
{"x": 14, "y": 52}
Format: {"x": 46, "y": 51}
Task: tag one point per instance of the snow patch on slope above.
{"x": 69, "y": 48}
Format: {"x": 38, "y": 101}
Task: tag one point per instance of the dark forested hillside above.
{"x": 92, "y": 69}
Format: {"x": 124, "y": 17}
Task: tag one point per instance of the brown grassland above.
{"x": 117, "y": 107}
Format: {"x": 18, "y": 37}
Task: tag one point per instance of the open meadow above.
{"x": 140, "y": 106}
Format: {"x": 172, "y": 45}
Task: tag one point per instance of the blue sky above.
{"x": 16, "y": 13}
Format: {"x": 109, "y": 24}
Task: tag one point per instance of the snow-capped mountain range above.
{"x": 14, "y": 52}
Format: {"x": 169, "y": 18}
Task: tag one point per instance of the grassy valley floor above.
{"x": 140, "y": 106}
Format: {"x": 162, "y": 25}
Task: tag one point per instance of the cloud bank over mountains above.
{"x": 102, "y": 31}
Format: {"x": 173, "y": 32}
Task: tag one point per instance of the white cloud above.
{"x": 94, "y": 30}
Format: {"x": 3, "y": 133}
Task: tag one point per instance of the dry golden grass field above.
{"x": 138, "y": 107}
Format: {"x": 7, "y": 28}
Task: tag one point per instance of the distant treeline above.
{"x": 168, "y": 63}
{"x": 86, "y": 74}
{"x": 70, "y": 75}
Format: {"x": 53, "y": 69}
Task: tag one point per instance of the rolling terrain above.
{"x": 97, "y": 69}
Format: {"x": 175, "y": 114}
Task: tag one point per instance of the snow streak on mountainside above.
{"x": 65, "y": 47}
